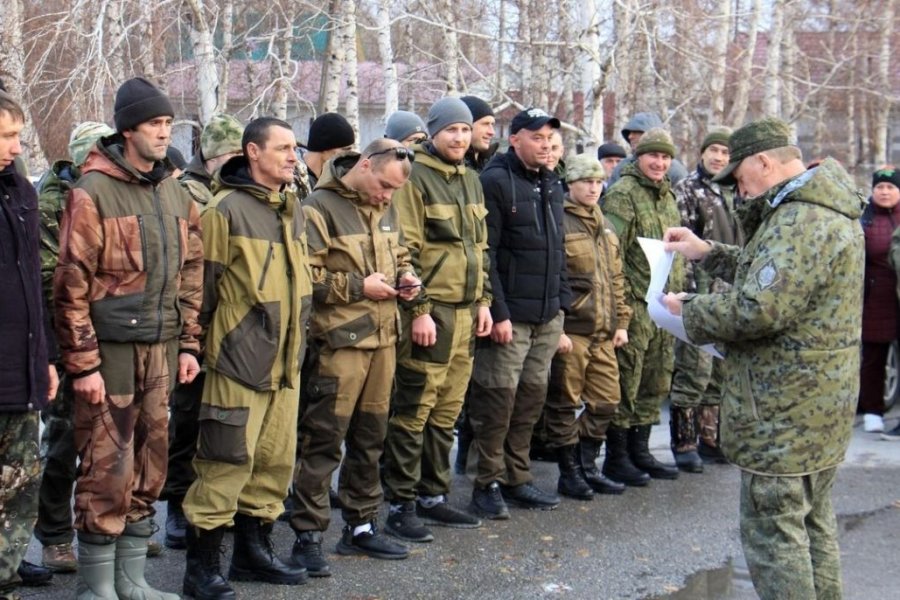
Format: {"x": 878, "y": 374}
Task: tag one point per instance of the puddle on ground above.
{"x": 728, "y": 582}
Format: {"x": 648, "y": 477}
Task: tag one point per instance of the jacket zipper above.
{"x": 265, "y": 269}
{"x": 157, "y": 205}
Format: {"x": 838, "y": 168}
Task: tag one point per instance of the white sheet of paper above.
{"x": 660, "y": 265}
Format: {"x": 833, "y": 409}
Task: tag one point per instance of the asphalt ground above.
{"x": 671, "y": 540}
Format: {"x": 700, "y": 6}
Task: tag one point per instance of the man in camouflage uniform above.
{"x": 54, "y": 525}
{"x": 127, "y": 292}
{"x": 790, "y": 329}
{"x": 641, "y": 204}
{"x": 584, "y": 372}
{"x": 27, "y": 378}
{"x": 636, "y": 126}
{"x": 256, "y": 299}
{"x": 707, "y": 209}
{"x": 220, "y": 140}
{"x": 360, "y": 267}
{"x": 434, "y": 355}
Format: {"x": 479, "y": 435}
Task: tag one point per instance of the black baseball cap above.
{"x": 532, "y": 119}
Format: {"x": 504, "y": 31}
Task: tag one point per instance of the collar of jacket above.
{"x": 235, "y": 175}
{"x": 427, "y": 156}
{"x": 196, "y": 170}
{"x": 108, "y": 157}
{"x": 515, "y": 164}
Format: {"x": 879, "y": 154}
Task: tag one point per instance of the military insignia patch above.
{"x": 767, "y": 275}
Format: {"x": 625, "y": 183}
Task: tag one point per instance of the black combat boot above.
{"x": 571, "y": 481}
{"x": 253, "y": 557}
{"x": 708, "y": 423}
{"x": 307, "y": 553}
{"x": 176, "y": 524}
{"x": 587, "y": 453}
{"x": 639, "y": 451}
{"x": 618, "y": 465}
{"x": 202, "y": 578}
{"x": 683, "y": 429}
{"x": 464, "y": 436}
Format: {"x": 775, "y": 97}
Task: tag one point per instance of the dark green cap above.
{"x": 753, "y": 138}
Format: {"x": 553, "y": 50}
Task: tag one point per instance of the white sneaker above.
{"x": 873, "y": 423}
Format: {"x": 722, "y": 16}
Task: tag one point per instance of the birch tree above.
{"x": 386, "y": 51}
{"x": 743, "y": 76}
{"x": 348, "y": 40}
{"x": 204, "y": 57}
{"x": 883, "y": 100}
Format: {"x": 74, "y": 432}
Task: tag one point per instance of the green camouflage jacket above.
{"x": 52, "y": 191}
{"x": 790, "y": 326}
{"x": 639, "y": 207}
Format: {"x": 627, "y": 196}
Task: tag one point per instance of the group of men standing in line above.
{"x": 395, "y": 278}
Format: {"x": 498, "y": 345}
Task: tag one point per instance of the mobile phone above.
{"x": 407, "y": 287}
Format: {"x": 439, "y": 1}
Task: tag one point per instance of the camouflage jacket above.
{"x": 52, "y": 191}
{"x": 256, "y": 289}
{"x": 790, "y": 326}
{"x": 350, "y": 239}
{"x": 639, "y": 207}
{"x": 197, "y": 182}
{"x": 594, "y": 263}
{"x": 442, "y": 216}
{"x": 707, "y": 209}
{"x": 131, "y": 260}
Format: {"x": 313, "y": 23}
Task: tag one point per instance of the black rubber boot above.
{"x": 683, "y": 430}
{"x": 639, "y": 451}
{"x": 618, "y": 465}
{"x": 587, "y": 453}
{"x": 571, "y": 481}
{"x": 202, "y": 578}
{"x": 253, "y": 558}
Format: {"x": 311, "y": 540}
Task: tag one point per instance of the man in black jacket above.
{"x": 27, "y": 378}
{"x": 528, "y": 278}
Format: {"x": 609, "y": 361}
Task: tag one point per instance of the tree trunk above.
{"x": 348, "y": 39}
{"x": 334, "y": 65}
{"x": 738, "y": 112}
{"x": 451, "y": 43}
{"x": 719, "y": 63}
{"x": 227, "y": 29}
{"x": 385, "y": 48}
{"x": 589, "y": 66}
{"x": 205, "y": 61}
{"x": 771, "y": 104}
{"x": 881, "y": 102}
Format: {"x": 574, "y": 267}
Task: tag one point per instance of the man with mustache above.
{"x": 442, "y": 217}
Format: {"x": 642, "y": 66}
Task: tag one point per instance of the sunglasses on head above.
{"x": 400, "y": 152}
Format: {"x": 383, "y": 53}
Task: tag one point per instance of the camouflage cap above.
{"x": 83, "y": 137}
{"x": 222, "y": 135}
{"x": 656, "y": 140}
{"x": 753, "y": 138}
{"x": 583, "y": 166}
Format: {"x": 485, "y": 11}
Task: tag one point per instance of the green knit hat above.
{"x": 583, "y": 166}
{"x": 716, "y": 135}
{"x": 656, "y": 140}
{"x": 753, "y": 138}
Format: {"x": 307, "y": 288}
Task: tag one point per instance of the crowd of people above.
{"x": 228, "y": 333}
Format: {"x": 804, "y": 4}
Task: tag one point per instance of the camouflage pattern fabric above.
{"x": 789, "y": 536}
{"x": 221, "y": 135}
{"x": 20, "y": 478}
{"x": 123, "y": 442}
{"x": 790, "y": 326}
{"x": 52, "y": 191}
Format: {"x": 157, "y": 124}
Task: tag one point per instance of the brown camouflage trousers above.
{"x": 789, "y": 535}
{"x": 587, "y": 376}
{"x": 123, "y": 442}
{"x": 20, "y": 479}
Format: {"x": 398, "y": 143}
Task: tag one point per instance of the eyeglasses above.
{"x": 401, "y": 152}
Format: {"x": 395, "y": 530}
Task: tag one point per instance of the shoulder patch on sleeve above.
{"x": 767, "y": 275}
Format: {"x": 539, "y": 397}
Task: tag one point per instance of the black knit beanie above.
{"x": 478, "y": 107}
{"x": 138, "y": 101}
{"x": 330, "y": 131}
{"x": 887, "y": 174}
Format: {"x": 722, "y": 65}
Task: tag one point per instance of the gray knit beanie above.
{"x": 402, "y": 124}
{"x": 446, "y": 112}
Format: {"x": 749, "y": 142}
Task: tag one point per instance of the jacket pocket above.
{"x": 351, "y": 333}
{"x": 118, "y": 318}
{"x": 223, "y": 434}
{"x": 579, "y": 253}
{"x": 248, "y": 351}
{"x": 439, "y": 226}
{"x": 479, "y": 213}
{"x": 123, "y": 244}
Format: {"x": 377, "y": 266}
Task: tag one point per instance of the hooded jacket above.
{"x": 645, "y": 121}
{"x": 594, "y": 265}
{"x": 24, "y": 331}
{"x": 790, "y": 326}
{"x": 442, "y": 216}
{"x": 131, "y": 260}
{"x": 528, "y": 268}
{"x": 349, "y": 239}
{"x": 256, "y": 292}
{"x": 52, "y": 191}
{"x": 197, "y": 181}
